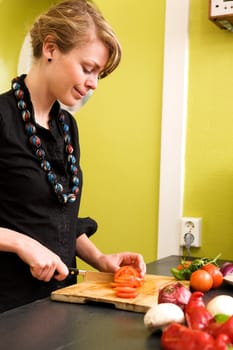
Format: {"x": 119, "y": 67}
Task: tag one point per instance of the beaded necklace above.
{"x": 35, "y": 142}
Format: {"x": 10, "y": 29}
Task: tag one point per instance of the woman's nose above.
{"x": 92, "y": 82}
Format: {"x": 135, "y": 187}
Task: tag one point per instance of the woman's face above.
{"x": 72, "y": 75}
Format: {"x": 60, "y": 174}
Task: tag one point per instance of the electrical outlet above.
{"x": 191, "y": 230}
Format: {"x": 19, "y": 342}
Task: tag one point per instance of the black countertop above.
{"x": 50, "y": 325}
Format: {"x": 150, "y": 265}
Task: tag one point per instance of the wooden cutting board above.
{"x": 96, "y": 287}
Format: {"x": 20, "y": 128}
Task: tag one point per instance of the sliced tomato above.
{"x": 123, "y": 289}
{"x": 131, "y": 282}
{"x": 125, "y": 278}
{"x": 127, "y": 295}
{"x": 126, "y": 282}
{"x": 126, "y": 270}
{"x": 123, "y": 284}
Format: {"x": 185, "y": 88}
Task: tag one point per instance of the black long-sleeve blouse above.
{"x": 28, "y": 203}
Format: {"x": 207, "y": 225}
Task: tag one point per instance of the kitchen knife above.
{"x": 91, "y": 275}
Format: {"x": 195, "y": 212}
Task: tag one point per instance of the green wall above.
{"x": 209, "y": 156}
{"x": 120, "y": 133}
{"x": 119, "y": 127}
{"x": 16, "y": 18}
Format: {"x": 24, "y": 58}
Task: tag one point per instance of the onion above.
{"x": 175, "y": 293}
{"x": 226, "y": 268}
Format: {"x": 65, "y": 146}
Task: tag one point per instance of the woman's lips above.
{"x": 79, "y": 94}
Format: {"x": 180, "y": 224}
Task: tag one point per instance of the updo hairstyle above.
{"x": 71, "y": 24}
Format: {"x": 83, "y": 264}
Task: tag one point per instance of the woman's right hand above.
{"x": 44, "y": 264}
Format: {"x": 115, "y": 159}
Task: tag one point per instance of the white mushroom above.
{"x": 161, "y": 315}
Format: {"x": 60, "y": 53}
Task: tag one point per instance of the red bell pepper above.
{"x": 179, "y": 337}
{"x": 196, "y": 314}
{"x": 216, "y": 329}
{"x": 222, "y": 341}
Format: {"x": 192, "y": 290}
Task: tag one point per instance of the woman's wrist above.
{"x": 88, "y": 252}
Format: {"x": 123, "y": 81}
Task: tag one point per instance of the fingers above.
{"x": 141, "y": 265}
{"x": 42, "y": 261}
{"x": 42, "y": 273}
{"x": 134, "y": 259}
{"x": 51, "y": 269}
{"x": 138, "y": 262}
{"x": 61, "y": 272}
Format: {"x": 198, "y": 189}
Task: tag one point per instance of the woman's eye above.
{"x": 87, "y": 70}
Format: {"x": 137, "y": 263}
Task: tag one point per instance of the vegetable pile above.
{"x": 127, "y": 282}
{"x": 196, "y": 326}
{"x": 202, "y": 327}
{"x": 202, "y": 331}
{"x": 203, "y": 273}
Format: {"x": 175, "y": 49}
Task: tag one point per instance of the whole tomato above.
{"x": 201, "y": 280}
{"x": 216, "y": 274}
{"x": 184, "y": 265}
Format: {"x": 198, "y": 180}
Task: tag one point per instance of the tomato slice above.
{"x": 123, "y": 289}
{"x": 126, "y": 270}
{"x": 125, "y": 278}
{"x": 132, "y": 282}
{"x": 127, "y": 295}
{"x": 123, "y": 284}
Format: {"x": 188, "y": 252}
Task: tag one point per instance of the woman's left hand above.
{"x": 88, "y": 252}
{"x": 112, "y": 262}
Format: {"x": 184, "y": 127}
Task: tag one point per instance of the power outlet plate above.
{"x": 191, "y": 229}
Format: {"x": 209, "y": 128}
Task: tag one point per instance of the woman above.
{"x": 40, "y": 176}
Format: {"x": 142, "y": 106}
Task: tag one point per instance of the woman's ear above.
{"x": 49, "y": 47}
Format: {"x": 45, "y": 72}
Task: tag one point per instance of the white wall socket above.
{"x": 192, "y": 227}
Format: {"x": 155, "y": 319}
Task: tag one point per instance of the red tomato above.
{"x": 209, "y": 268}
{"x": 184, "y": 265}
{"x": 125, "y": 289}
{"x": 122, "y": 284}
{"x": 126, "y": 270}
{"x": 126, "y": 295}
{"x": 201, "y": 280}
{"x": 216, "y": 274}
{"x": 126, "y": 282}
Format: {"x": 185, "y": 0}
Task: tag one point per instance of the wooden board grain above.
{"x": 96, "y": 288}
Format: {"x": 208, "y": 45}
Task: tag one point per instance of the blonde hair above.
{"x": 69, "y": 24}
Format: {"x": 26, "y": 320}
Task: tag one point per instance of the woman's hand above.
{"x": 44, "y": 264}
{"x": 88, "y": 252}
{"x": 112, "y": 262}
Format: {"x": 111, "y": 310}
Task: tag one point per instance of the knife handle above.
{"x": 73, "y": 271}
